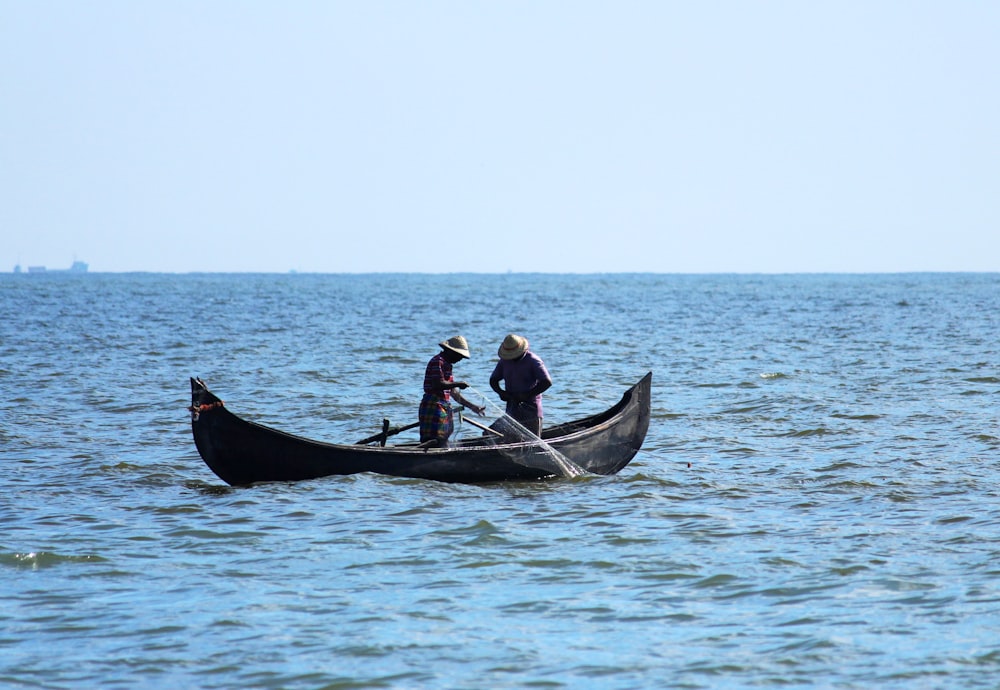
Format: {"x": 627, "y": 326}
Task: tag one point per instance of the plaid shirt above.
{"x": 438, "y": 371}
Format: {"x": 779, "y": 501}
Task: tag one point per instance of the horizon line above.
{"x": 63, "y": 272}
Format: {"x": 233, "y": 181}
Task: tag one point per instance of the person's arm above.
{"x": 537, "y": 390}
{"x": 544, "y": 381}
{"x": 540, "y": 387}
{"x": 462, "y": 401}
{"x": 436, "y": 382}
{"x": 495, "y": 385}
{"x": 442, "y": 386}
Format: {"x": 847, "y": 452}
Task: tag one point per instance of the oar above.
{"x": 386, "y": 432}
{"x": 480, "y": 426}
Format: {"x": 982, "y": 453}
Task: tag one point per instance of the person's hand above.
{"x": 481, "y": 411}
{"x": 505, "y": 396}
{"x": 462, "y": 385}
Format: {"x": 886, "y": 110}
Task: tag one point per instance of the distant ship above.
{"x": 77, "y": 267}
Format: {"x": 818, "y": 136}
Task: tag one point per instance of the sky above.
{"x": 524, "y": 136}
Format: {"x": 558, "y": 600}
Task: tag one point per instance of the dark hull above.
{"x": 242, "y": 452}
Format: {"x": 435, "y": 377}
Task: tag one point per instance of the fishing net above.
{"x": 521, "y": 445}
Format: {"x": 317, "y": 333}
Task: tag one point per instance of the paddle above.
{"x": 386, "y": 433}
{"x": 481, "y": 426}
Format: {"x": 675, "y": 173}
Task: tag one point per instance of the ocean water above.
{"x": 817, "y": 503}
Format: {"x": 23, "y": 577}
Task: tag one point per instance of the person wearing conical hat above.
{"x": 435, "y": 414}
{"x": 525, "y": 379}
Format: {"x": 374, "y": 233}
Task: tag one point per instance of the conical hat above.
{"x": 513, "y": 346}
{"x": 457, "y": 345}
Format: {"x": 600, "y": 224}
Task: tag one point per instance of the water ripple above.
{"x": 816, "y": 498}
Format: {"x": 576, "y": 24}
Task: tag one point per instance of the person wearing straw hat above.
{"x": 435, "y": 414}
{"x": 525, "y": 379}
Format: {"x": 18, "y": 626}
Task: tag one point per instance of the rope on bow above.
{"x": 196, "y": 410}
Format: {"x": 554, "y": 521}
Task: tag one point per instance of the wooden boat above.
{"x": 242, "y": 452}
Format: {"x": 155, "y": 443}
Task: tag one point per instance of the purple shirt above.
{"x": 520, "y": 376}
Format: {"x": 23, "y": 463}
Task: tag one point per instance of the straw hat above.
{"x": 457, "y": 345}
{"x": 513, "y": 346}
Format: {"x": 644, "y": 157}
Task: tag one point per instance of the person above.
{"x": 435, "y": 414}
{"x": 525, "y": 379}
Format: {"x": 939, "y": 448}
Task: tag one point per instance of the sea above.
{"x": 816, "y": 504}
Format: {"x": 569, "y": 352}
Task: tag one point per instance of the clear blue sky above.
{"x": 659, "y": 136}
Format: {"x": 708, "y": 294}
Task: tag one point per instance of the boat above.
{"x": 76, "y": 267}
{"x": 242, "y": 452}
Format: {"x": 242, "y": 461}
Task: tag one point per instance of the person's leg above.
{"x": 534, "y": 425}
{"x": 447, "y": 426}
{"x": 436, "y": 422}
{"x": 427, "y": 415}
